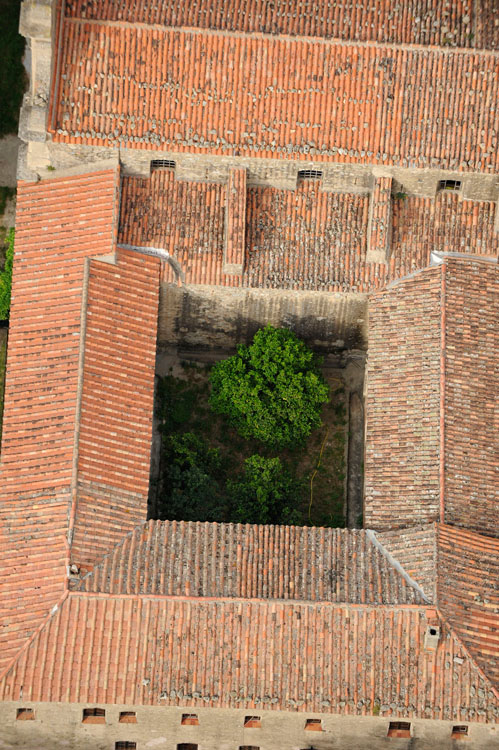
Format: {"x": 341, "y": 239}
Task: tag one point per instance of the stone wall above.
{"x": 218, "y": 318}
{"x": 59, "y": 726}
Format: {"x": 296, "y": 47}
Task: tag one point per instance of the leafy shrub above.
{"x": 190, "y": 486}
{"x": 265, "y": 493}
{"x": 272, "y": 390}
{"x": 176, "y": 400}
{"x": 6, "y": 277}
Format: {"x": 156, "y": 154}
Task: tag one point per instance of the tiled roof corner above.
{"x": 468, "y": 597}
{"x": 414, "y": 548}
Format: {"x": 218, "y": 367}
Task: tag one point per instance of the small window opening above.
{"x": 313, "y": 725}
{"x": 399, "y": 729}
{"x": 248, "y": 747}
{"x": 187, "y": 746}
{"x": 162, "y": 164}
{"x": 449, "y": 185}
{"x": 309, "y": 174}
{"x": 190, "y": 720}
{"x": 128, "y": 717}
{"x": 252, "y": 722}
{"x": 459, "y": 731}
{"x": 25, "y": 714}
{"x": 125, "y": 745}
{"x": 94, "y": 716}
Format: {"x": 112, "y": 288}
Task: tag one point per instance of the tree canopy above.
{"x": 271, "y": 390}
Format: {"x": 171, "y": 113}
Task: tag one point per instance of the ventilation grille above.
{"x": 454, "y": 185}
{"x": 309, "y": 174}
{"x": 162, "y": 164}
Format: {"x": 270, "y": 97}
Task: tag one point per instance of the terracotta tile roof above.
{"x": 59, "y": 223}
{"x": 301, "y": 239}
{"x": 468, "y": 592}
{"x": 431, "y": 448}
{"x": 235, "y": 222}
{"x": 415, "y": 548}
{"x": 269, "y": 562}
{"x": 471, "y": 406}
{"x": 73, "y": 380}
{"x": 380, "y": 220}
{"x": 209, "y": 93}
{"x": 464, "y": 24}
{"x": 318, "y": 657}
{"x": 115, "y": 426}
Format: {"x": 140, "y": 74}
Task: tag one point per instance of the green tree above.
{"x": 271, "y": 390}
{"x": 6, "y": 277}
{"x": 265, "y": 493}
{"x": 191, "y": 481}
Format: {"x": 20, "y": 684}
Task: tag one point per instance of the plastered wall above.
{"x": 59, "y": 726}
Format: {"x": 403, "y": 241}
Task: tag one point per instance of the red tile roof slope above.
{"x": 59, "y": 223}
{"x": 402, "y": 480}
{"x": 468, "y": 596}
{"x": 115, "y": 433}
{"x": 319, "y": 657}
{"x": 462, "y": 24}
{"x": 227, "y": 560}
{"x": 210, "y": 93}
{"x": 301, "y": 239}
{"x": 471, "y": 387}
{"x": 62, "y": 416}
{"x": 431, "y": 447}
{"x": 415, "y": 548}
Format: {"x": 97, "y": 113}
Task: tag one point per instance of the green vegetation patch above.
{"x": 210, "y": 472}
{"x": 6, "y": 277}
{"x": 13, "y": 80}
{"x": 271, "y": 390}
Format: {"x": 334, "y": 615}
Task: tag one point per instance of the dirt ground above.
{"x": 320, "y": 464}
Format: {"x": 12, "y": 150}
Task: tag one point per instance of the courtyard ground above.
{"x": 319, "y": 464}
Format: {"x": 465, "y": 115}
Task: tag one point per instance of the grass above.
{"x": 319, "y": 464}
{"x": 13, "y": 80}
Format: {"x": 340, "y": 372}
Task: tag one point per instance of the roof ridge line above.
{"x": 119, "y": 24}
{"x": 252, "y": 600}
{"x": 371, "y": 535}
{"x": 54, "y": 609}
{"x": 107, "y": 555}
{"x": 468, "y": 653}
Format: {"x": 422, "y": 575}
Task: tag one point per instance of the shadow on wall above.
{"x": 209, "y": 317}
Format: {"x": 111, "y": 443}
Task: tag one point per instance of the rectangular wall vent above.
{"x": 310, "y": 174}
{"x": 25, "y": 714}
{"x": 454, "y": 185}
{"x": 399, "y": 729}
{"x": 94, "y": 716}
{"x": 162, "y": 164}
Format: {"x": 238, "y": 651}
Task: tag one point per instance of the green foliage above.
{"x": 6, "y": 193}
{"x": 176, "y": 399}
{"x": 265, "y": 493}
{"x": 191, "y": 488}
{"x": 272, "y": 390}
{"x": 6, "y": 277}
{"x": 13, "y": 79}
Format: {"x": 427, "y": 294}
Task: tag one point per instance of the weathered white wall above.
{"x": 58, "y": 727}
